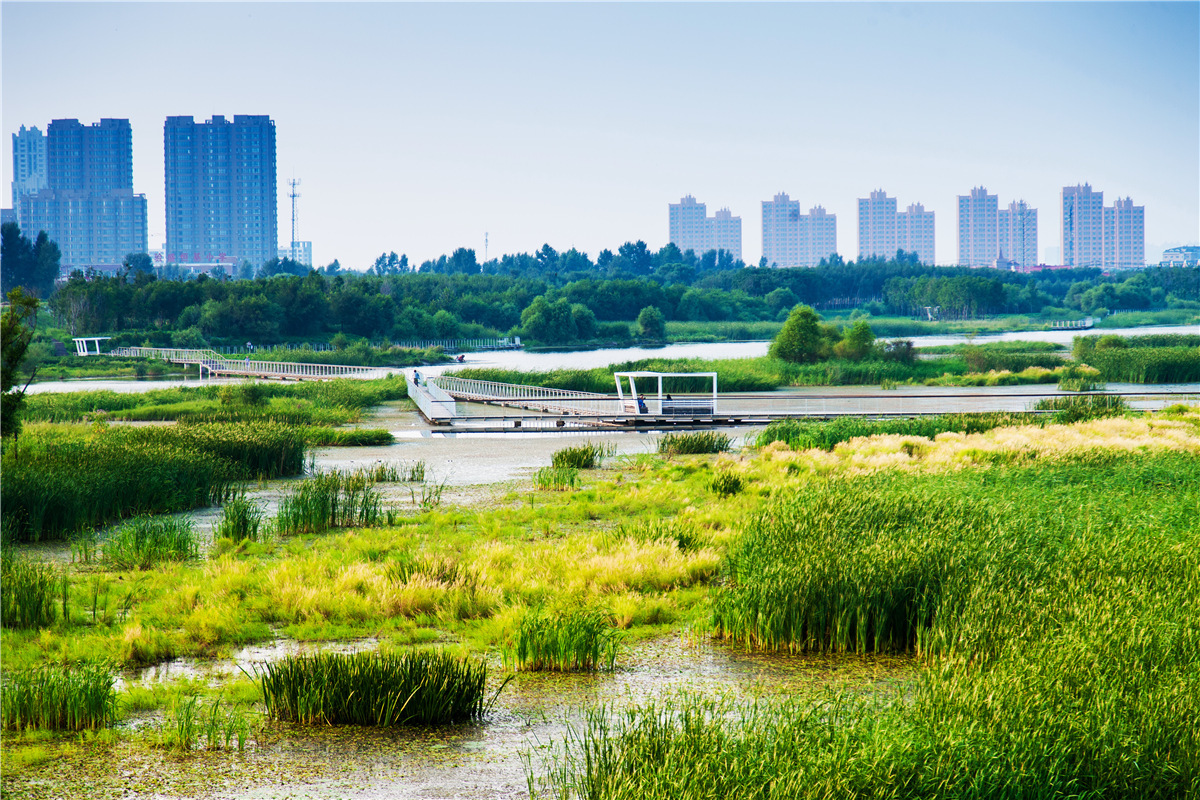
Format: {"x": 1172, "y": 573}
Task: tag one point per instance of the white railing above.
{"x": 566, "y": 401}
{"x": 216, "y": 364}
{"x": 455, "y": 345}
{"x": 436, "y": 405}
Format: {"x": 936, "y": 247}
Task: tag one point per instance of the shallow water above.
{"x": 486, "y": 759}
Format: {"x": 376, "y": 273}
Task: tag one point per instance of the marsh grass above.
{"x": 144, "y": 542}
{"x": 578, "y": 641}
{"x": 584, "y": 456}
{"x": 32, "y": 593}
{"x": 348, "y": 437}
{"x": 333, "y": 499}
{"x": 682, "y": 534}
{"x": 414, "y": 688}
{"x": 61, "y": 481}
{"x": 693, "y": 442}
{"x": 1082, "y": 407}
{"x": 556, "y": 479}
{"x": 1052, "y": 609}
{"x": 726, "y": 482}
{"x": 187, "y": 724}
{"x": 75, "y": 698}
{"x": 241, "y": 521}
{"x": 825, "y": 435}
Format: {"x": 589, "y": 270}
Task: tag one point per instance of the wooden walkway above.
{"x": 215, "y": 364}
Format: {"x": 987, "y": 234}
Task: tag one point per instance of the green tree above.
{"x": 16, "y": 332}
{"x": 801, "y": 339}
{"x": 858, "y": 342}
{"x": 652, "y": 323}
{"x": 31, "y": 265}
{"x": 138, "y": 262}
{"x": 549, "y": 322}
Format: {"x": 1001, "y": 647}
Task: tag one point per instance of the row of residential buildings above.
{"x": 75, "y": 182}
{"x": 1093, "y": 235}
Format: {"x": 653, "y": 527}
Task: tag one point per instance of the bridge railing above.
{"x": 540, "y": 397}
{"x": 216, "y": 363}
{"x": 436, "y": 405}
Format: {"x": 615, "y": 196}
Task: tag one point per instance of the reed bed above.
{"x": 348, "y": 437}
{"x": 415, "y": 688}
{"x": 1055, "y": 611}
{"x": 187, "y": 724}
{"x": 75, "y": 698}
{"x": 584, "y": 456}
{"x": 726, "y": 482}
{"x": 578, "y": 641}
{"x": 144, "y": 542}
{"x": 241, "y": 521}
{"x": 805, "y": 435}
{"x": 1082, "y": 407}
{"x": 556, "y": 479}
{"x": 59, "y": 482}
{"x": 693, "y": 443}
{"x": 32, "y": 593}
{"x": 328, "y": 500}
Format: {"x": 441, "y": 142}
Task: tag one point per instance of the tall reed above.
{"x": 30, "y": 592}
{"x": 241, "y": 520}
{"x": 415, "y": 688}
{"x": 58, "y": 483}
{"x": 556, "y": 479}
{"x": 144, "y": 542}
{"x": 804, "y": 434}
{"x": 584, "y": 456}
{"x": 75, "y": 698}
{"x": 327, "y": 500}
{"x": 693, "y": 442}
{"x": 1082, "y": 407}
{"x": 578, "y": 641}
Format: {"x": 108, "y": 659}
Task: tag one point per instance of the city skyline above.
{"x": 420, "y": 128}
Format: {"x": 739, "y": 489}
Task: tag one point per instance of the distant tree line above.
{"x": 554, "y": 297}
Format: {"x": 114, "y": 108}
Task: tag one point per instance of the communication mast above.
{"x": 485, "y": 246}
{"x": 293, "y": 183}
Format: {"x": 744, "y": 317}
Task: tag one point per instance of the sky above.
{"x": 419, "y": 128}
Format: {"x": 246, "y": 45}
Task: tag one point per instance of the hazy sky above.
{"x": 418, "y": 127}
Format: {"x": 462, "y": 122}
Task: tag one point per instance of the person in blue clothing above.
{"x": 642, "y": 404}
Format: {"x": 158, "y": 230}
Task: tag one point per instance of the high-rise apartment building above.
{"x": 1017, "y": 233}
{"x": 822, "y": 237}
{"x": 877, "y": 226}
{"x": 725, "y": 233}
{"x": 792, "y": 239}
{"x": 1082, "y": 226}
{"x": 29, "y": 166}
{"x": 914, "y": 232}
{"x": 781, "y": 231}
{"x": 1124, "y": 235}
{"x": 222, "y": 201}
{"x": 88, "y": 206}
{"x": 690, "y": 228}
{"x": 977, "y": 220}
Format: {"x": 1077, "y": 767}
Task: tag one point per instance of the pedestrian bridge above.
{"x": 215, "y": 364}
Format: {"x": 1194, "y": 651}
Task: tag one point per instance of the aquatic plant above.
{"x": 75, "y": 698}
{"x": 333, "y": 499}
{"x": 413, "y": 688}
{"x": 806, "y": 434}
{"x": 681, "y": 534}
{"x": 187, "y": 723}
{"x": 241, "y": 520}
{"x": 30, "y": 592}
{"x": 577, "y": 641}
{"x": 1082, "y": 407}
{"x": 584, "y": 456}
{"x": 693, "y": 442}
{"x": 144, "y": 542}
{"x": 64, "y": 481}
{"x": 557, "y": 479}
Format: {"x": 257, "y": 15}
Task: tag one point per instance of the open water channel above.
{"x": 486, "y": 759}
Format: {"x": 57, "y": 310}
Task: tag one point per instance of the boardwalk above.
{"x": 214, "y": 364}
{"x": 462, "y": 404}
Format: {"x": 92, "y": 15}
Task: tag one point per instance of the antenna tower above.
{"x": 485, "y": 246}
{"x": 293, "y": 183}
